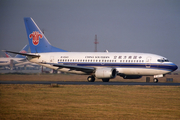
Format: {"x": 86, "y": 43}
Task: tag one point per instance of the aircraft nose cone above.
{"x": 174, "y": 67}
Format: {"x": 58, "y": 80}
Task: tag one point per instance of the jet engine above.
{"x": 105, "y": 73}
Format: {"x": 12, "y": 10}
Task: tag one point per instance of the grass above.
{"x": 89, "y": 102}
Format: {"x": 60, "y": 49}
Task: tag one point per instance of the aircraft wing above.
{"x": 75, "y": 67}
{"x": 25, "y": 54}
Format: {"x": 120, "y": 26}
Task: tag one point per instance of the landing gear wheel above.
{"x": 155, "y": 80}
{"x": 91, "y": 79}
{"x": 105, "y": 80}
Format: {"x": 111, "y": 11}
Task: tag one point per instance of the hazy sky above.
{"x": 150, "y": 26}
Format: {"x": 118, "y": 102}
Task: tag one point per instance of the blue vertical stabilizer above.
{"x": 37, "y": 41}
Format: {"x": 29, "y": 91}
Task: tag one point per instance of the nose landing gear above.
{"x": 91, "y": 79}
{"x": 155, "y": 80}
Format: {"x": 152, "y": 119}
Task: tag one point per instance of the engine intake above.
{"x": 105, "y": 73}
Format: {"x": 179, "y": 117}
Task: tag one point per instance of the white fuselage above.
{"x": 124, "y": 62}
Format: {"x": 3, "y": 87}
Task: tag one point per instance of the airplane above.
{"x": 9, "y": 61}
{"x": 100, "y": 65}
{"x": 17, "y": 61}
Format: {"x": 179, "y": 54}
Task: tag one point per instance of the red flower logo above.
{"x": 35, "y": 37}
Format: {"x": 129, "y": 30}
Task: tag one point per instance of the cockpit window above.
{"x": 163, "y": 60}
{"x": 159, "y": 60}
{"x": 166, "y": 60}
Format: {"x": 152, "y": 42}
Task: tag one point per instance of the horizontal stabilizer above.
{"x": 25, "y": 54}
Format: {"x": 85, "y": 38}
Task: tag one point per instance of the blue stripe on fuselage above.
{"x": 168, "y": 67}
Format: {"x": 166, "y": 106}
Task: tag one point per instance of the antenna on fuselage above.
{"x": 106, "y": 51}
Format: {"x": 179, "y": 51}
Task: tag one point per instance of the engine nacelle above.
{"x": 105, "y": 73}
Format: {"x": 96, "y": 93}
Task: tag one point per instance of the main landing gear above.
{"x": 105, "y": 80}
{"x": 92, "y": 79}
{"x": 155, "y": 80}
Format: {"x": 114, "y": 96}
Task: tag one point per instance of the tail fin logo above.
{"x": 35, "y": 37}
{"x": 23, "y": 51}
{"x": 7, "y": 55}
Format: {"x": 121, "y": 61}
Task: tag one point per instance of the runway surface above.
{"x": 89, "y": 83}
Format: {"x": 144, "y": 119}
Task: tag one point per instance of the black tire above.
{"x": 105, "y": 80}
{"x": 155, "y": 80}
{"x": 91, "y": 79}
